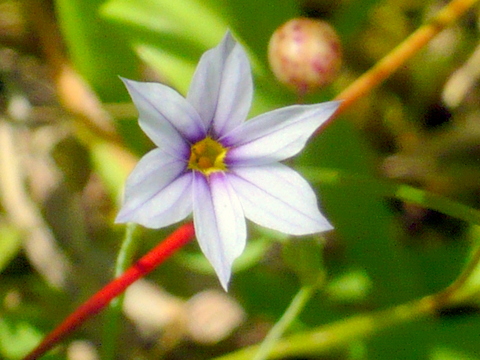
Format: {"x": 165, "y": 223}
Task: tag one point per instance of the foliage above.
{"x": 397, "y": 174}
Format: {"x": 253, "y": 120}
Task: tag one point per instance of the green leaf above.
{"x": 170, "y": 36}
{"x": 98, "y": 53}
{"x": 187, "y": 19}
{"x": 349, "y": 287}
{"x": 180, "y": 70}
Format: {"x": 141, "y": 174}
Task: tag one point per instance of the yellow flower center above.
{"x": 207, "y": 156}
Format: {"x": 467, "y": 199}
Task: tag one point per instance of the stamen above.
{"x": 207, "y": 156}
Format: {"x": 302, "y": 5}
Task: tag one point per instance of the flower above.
{"x": 212, "y": 162}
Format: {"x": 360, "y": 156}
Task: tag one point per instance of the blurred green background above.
{"x": 69, "y": 137}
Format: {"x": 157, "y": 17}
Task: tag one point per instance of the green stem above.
{"x": 295, "y": 307}
{"x": 326, "y": 338}
{"x": 460, "y": 290}
{"x": 415, "y": 196}
{"x": 334, "y": 177}
{"x": 112, "y": 315}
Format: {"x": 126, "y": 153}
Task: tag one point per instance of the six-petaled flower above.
{"x": 212, "y": 162}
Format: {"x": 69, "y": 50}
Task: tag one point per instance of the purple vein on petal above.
{"x": 288, "y": 212}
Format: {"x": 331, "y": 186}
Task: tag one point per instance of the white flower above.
{"x": 211, "y": 161}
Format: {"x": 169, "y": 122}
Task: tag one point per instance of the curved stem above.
{"x": 384, "y": 188}
{"x": 295, "y": 307}
{"x": 398, "y": 56}
{"x": 453, "y": 293}
{"x": 112, "y": 316}
{"x": 353, "y": 327}
{"x": 102, "y": 298}
{"x": 326, "y": 338}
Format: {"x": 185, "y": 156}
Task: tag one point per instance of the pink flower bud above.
{"x": 305, "y": 54}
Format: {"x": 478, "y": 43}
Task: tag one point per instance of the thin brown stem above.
{"x": 398, "y": 56}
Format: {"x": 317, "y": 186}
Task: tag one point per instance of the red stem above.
{"x": 102, "y": 298}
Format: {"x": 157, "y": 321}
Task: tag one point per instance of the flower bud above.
{"x": 305, "y": 54}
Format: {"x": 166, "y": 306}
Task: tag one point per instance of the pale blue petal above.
{"x": 221, "y": 88}
{"x": 277, "y": 197}
{"x": 276, "y": 135}
{"x": 158, "y": 191}
{"x": 219, "y": 222}
{"x": 165, "y": 116}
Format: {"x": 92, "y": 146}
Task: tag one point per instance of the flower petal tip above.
{"x": 122, "y": 218}
{"x": 126, "y": 81}
{"x": 164, "y": 189}
{"x": 225, "y": 282}
{"x": 331, "y": 105}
